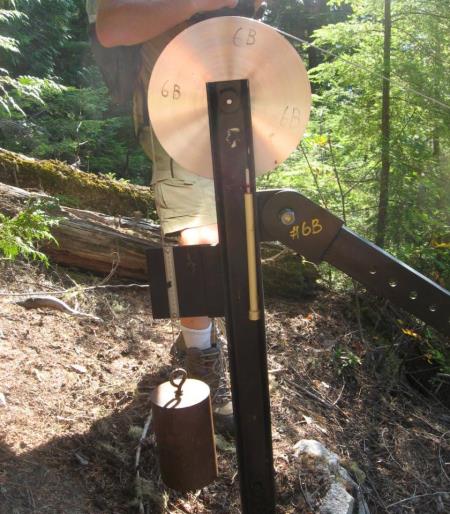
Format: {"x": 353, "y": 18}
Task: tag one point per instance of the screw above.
{"x": 287, "y": 216}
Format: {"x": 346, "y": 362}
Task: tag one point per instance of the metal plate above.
{"x": 229, "y": 48}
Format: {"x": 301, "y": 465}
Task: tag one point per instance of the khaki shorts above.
{"x": 183, "y": 199}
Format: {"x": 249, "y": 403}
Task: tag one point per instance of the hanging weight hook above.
{"x": 182, "y": 375}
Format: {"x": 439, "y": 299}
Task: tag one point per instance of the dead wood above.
{"x": 50, "y": 302}
{"x": 117, "y": 244}
{"x": 91, "y": 240}
{"x": 75, "y": 188}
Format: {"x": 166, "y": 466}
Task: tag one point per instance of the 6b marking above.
{"x": 174, "y": 91}
{"x": 290, "y": 117}
{"x": 247, "y": 38}
{"x": 306, "y": 229}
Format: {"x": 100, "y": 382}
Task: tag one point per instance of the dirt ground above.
{"x": 76, "y": 394}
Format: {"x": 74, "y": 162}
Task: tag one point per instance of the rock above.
{"x": 326, "y": 468}
{"x": 2, "y": 400}
{"x": 311, "y": 452}
{"x": 79, "y": 368}
{"x": 346, "y": 479}
{"x": 337, "y": 501}
{"x": 81, "y": 459}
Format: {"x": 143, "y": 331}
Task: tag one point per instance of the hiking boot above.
{"x": 209, "y": 366}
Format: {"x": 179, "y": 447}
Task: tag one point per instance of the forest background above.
{"x": 376, "y": 151}
{"x": 346, "y": 369}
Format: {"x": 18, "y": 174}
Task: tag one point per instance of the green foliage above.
{"x": 343, "y": 142}
{"x": 346, "y": 360}
{"x": 439, "y": 357}
{"x": 74, "y": 125}
{"x": 303, "y": 18}
{"x": 20, "y": 236}
{"x": 9, "y": 15}
{"x": 9, "y": 44}
{"x": 42, "y": 40}
{"x": 13, "y": 89}
{"x": 74, "y": 122}
{"x": 17, "y": 92}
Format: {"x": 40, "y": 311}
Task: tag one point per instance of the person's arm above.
{"x": 130, "y": 22}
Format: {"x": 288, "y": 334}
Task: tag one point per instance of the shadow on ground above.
{"x": 66, "y": 475}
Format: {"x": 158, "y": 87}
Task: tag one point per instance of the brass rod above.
{"x": 253, "y": 313}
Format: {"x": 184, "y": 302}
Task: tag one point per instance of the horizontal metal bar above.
{"x": 393, "y": 279}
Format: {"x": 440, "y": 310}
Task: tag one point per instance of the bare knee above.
{"x": 199, "y": 235}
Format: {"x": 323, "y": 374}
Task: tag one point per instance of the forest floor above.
{"x": 77, "y": 396}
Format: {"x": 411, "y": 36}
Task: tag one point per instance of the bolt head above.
{"x": 287, "y": 216}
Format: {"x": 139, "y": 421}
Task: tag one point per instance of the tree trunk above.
{"x": 385, "y": 131}
{"x": 100, "y": 243}
{"x": 76, "y": 188}
{"x": 313, "y": 10}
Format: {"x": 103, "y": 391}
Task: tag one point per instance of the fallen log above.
{"x": 91, "y": 240}
{"x": 76, "y": 188}
{"x": 117, "y": 244}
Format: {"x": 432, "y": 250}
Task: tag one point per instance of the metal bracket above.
{"x": 295, "y": 221}
{"x": 315, "y": 233}
{"x": 199, "y": 280}
{"x": 386, "y": 276}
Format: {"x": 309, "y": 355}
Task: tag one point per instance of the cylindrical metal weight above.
{"x": 182, "y": 420}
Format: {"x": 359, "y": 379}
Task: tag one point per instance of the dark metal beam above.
{"x": 232, "y": 152}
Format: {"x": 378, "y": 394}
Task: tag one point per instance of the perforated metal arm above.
{"x": 315, "y": 233}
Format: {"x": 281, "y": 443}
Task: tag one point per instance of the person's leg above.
{"x": 186, "y": 205}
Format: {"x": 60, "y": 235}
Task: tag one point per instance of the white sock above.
{"x": 200, "y": 339}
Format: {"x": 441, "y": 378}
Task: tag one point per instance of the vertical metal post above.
{"x": 233, "y": 164}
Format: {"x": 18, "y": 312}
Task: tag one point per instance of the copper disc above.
{"x": 229, "y": 48}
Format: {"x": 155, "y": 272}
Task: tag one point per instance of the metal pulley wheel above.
{"x": 220, "y": 49}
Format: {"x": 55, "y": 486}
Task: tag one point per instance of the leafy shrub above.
{"x": 20, "y": 235}
{"x": 346, "y": 360}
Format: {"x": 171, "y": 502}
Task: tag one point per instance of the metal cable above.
{"x": 360, "y": 67}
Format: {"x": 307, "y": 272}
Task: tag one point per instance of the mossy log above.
{"x": 105, "y": 244}
{"x": 76, "y": 188}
